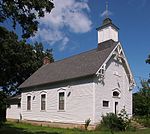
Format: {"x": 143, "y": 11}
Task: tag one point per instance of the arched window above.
{"x": 61, "y": 99}
{"x": 29, "y": 101}
{"x": 43, "y": 100}
{"x": 116, "y": 94}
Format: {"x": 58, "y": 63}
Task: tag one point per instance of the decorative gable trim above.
{"x": 120, "y": 56}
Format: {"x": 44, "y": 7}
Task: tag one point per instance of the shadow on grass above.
{"x": 10, "y": 129}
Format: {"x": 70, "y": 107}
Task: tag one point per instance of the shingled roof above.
{"x": 83, "y": 64}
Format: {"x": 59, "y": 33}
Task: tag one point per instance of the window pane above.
{"x": 61, "y": 101}
{"x": 28, "y": 102}
{"x": 43, "y": 101}
{"x": 115, "y": 93}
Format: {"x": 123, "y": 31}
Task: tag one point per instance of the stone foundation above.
{"x": 54, "y": 124}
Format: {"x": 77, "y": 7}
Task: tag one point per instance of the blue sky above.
{"x": 71, "y": 29}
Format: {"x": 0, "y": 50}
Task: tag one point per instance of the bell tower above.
{"x": 107, "y": 31}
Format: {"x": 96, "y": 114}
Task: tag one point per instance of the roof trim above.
{"x": 127, "y": 64}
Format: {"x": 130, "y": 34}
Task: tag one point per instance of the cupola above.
{"x": 108, "y": 31}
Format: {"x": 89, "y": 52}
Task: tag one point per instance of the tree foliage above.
{"x": 2, "y": 107}
{"x": 25, "y": 13}
{"x": 141, "y": 100}
{"x": 18, "y": 60}
{"x": 148, "y": 60}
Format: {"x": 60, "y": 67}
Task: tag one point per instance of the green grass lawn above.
{"x": 21, "y": 128}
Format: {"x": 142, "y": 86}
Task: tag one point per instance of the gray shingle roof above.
{"x": 84, "y": 64}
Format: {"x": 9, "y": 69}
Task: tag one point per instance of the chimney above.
{"x": 46, "y": 60}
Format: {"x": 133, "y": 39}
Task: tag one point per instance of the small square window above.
{"x": 105, "y": 103}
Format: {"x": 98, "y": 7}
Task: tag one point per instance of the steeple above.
{"x": 107, "y": 31}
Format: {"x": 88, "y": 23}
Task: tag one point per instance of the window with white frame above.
{"x": 28, "y": 102}
{"x": 61, "y": 100}
{"x": 43, "y": 101}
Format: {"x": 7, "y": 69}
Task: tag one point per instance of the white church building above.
{"x": 83, "y": 86}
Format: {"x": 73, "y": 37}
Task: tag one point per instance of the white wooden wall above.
{"x": 107, "y": 34}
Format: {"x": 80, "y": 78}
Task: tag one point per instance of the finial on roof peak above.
{"x": 106, "y": 10}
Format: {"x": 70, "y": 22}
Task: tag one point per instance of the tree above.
{"x": 141, "y": 100}
{"x": 25, "y": 13}
{"x": 18, "y": 60}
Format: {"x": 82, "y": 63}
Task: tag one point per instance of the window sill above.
{"x": 60, "y": 110}
{"x": 105, "y": 107}
{"x": 116, "y": 97}
{"x": 42, "y": 110}
{"x": 28, "y": 110}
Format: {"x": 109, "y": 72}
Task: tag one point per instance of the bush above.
{"x": 87, "y": 123}
{"x": 124, "y": 116}
{"x": 112, "y": 122}
{"x": 115, "y": 122}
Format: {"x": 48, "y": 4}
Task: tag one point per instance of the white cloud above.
{"x": 63, "y": 45}
{"x": 70, "y": 15}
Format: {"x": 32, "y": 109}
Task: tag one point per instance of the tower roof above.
{"x": 107, "y": 22}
